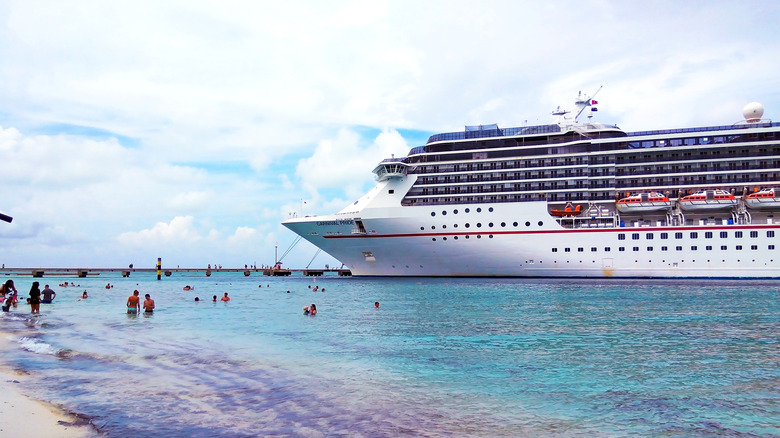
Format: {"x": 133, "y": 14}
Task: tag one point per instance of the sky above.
{"x": 189, "y": 130}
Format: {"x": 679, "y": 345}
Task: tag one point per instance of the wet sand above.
{"x": 21, "y": 416}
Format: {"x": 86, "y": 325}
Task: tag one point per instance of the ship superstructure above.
{"x": 568, "y": 199}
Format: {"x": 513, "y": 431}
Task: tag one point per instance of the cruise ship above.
{"x": 569, "y": 199}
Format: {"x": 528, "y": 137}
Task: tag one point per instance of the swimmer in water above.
{"x": 133, "y": 303}
{"x": 148, "y": 304}
{"x": 226, "y": 297}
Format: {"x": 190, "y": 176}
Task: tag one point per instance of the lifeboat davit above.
{"x": 568, "y": 210}
{"x": 643, "y": 202}
{"x": 708, "y": 200}
{"x": 767, "y": 199}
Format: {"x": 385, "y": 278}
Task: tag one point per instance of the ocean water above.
{"x": 439, "y": 357}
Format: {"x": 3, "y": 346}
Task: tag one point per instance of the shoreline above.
{"x": 22, "y": 415}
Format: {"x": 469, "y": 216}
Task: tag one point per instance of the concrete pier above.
{"x": 171, "y": 273}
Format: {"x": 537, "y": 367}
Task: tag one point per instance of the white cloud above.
{"x": 180, "y": 230}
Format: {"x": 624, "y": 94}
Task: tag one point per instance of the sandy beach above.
{"x": 21, "y": 416}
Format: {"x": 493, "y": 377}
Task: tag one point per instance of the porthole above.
{"x": 479, "y": 225}
{"x": 490, "y": 236}
{"x": 468, "y": 225}
{"x": 467, "y": 210}
{"x": 479, "y": 236}
{"x": 434, "y": 239}
{"x": 490, "y": 224}
{"x": 455, "y": 211}
{"x": 541, "y": 223}
{"x": 490, "y": 209}
{"x": 479, "y": 209}
{"x": 455, "y": 225}
{"x": 514, "y": 224}
{"x": 422, "y": 228}
{"x": 467, "y": 236}
{"x": 433, "y": 227}
{"x": 444, "y": 238}
{"x": 444, "y": 213}
{"x": 527, "y": 224}
{"x": 444, "y": 226}
{"x": 433, "y": 213}
{"x": 455, "y": 237}
{"x": 503, "y": 224}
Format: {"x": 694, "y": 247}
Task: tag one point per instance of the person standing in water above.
{"x": 148, "y": 304}
{"x": 134, "y": 303}
{"x": 47, "y": 295}
{"x": 35, "y": 298}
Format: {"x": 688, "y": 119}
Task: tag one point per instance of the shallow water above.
{"x": 439, "y": 357}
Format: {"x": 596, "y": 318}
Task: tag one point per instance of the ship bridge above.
{"x": 390, "y": 168}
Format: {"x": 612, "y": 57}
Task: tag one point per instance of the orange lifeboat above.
{"x": 766, "y": 199}
{"x": 568, "y": 210}
{"x": 708, "y": 200}
{"x": 643, "y": 202}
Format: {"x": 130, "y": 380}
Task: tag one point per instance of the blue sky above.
{"x": 189, "y": 130}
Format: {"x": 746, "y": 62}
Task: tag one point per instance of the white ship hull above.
{"x": 409, "y": 241}
{"x": 489, "y": 201}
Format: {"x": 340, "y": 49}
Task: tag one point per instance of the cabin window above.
{"x": 694, "y": 235}
{"x": 635, "y": 236}
{"x": 738, "y": 248}
{"x": 754, "y": 234}
{"x": 770, "y": 234}
{"x": 708, "y": 235}
{"x": 754, "y": 247}
{"x": 391, "y": 191}
{"x": 580, "y": 249}
{"x": 664, "y": 248}
{"x": 636, "y": 248}
{"x": 567, "y": 250}
{"x": 679, "y": 248}
{"x": 593, "y": 249}
{"x": 649, "y": 248}
{"x": 694, "y": 248}
{"x": 621, "y": 236}
{"x": 664, "y": 236}
{"x": 678, "y": 235}
{"x": 723, "y": 248}
{"x": 555, "y": 250}
{"x": 708, "y": 248}
{"x": 724, "y": 234}
{"x": 608, "y": 249}
{"x": 649, "y": 236}
{"x": 622, "y": 248}
{"x": 738, "y": 235}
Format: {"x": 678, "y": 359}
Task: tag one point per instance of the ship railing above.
{"x": 704, "y": 129}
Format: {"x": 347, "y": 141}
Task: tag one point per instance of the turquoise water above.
{"x": 439, "y": 357}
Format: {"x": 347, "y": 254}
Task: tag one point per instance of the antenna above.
{"x": 583, "y": 102}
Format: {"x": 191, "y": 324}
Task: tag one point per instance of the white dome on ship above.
{"x": 753, "y": 112}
